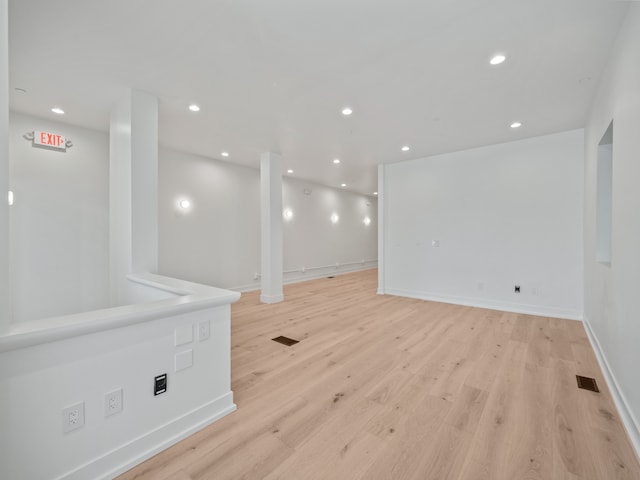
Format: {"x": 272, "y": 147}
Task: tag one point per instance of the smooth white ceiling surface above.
{"x": 274, "y": 75}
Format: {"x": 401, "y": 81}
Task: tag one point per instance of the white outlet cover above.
{"x": 113, "y": 403}
{"x": 73, "y": 417}
{"x": 204, "y": 330}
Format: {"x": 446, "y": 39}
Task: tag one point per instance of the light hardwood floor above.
{"x": 383, "y": 387}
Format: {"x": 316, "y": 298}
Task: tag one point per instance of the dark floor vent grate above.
{"x": 285, "y": 340}
{"x": 587, "y": 383}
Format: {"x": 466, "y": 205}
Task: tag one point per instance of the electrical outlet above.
{"x": 204, "y": 331}
{"x": 113, "y": 402}
{"x": 73, "y": 417}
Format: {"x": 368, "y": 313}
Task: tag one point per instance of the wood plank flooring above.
{"x": 383, "y": 387}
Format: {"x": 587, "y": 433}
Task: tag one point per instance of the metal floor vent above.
{"x": 587, "y": 383}
{"x": 285, "y": 340}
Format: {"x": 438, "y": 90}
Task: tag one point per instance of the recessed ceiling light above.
{"x": 184, "y": 203}
{"x": 57, "y": 110}
{"x": 194, "y": 108}
{"x": 336, "y": 161}
{"x": 516, "y": 125}
{"x": 225, "y": 154}
{"x": 497, "y": 59}
{"x": 347, "y": 111}
{"x": 367, "y": 220}
{"x": 10, "y": 197}
{"x": 375, "y": 193}
{"x": 343, "y": 184}
{"x": 334, "y": 218}
{"x": 289, "y": 171}
{"x": 405, "y": 148}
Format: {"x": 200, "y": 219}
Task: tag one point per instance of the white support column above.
{"x": 271, "y": 232}
{"x": 5, "y": 285}
{"x": 381, "y": 219}
{"x": 133, "y": 190}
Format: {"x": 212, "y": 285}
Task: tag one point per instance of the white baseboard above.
{"x": 134, "y": 452}
{"x": 543, "y": 311}
{"x": 626, "y": 413}
{"x": 298, "y": 277}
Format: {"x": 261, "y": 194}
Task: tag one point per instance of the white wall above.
{"x": 313, "y": 243}
{"x": 5, "y": 310}
{"x": 59, "y": 221}
{"x": 611, "y": 292}
{"x": 216, "y": 241}
{"x": 504, "y": 215}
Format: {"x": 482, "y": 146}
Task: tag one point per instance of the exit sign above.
{"x": 49, "y": 140}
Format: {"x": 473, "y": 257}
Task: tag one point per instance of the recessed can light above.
{"x": 289, "y": 171}
{"x": 185, "y": 203}
{"x": 405, "y": 148}
{"x": 225, "y": 154}
{"x": 10, "y": 197}
{"x": 497, "y": 59}
{"x": 194, "y": 108}
{"x": 336, "y": 161}
{"x": 375, "y": 193}
{"x": 343, "y": 184}
{"x": 334, "y": 218}
{"x": 57, "y": 110}
{"x": 516, "y": 125}
{"x": 347, "y": 111}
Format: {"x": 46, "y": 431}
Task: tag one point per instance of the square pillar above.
{"x": 133, "y": 190}
{"x": 271, "y": 231}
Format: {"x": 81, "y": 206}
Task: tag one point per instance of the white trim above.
{"x": 626, "y": 413}
{"x": 144, "y": 447}
{"x": 189, "y": 297}
{"x": 492, "y": 305}
{"x": 271, "y": 298}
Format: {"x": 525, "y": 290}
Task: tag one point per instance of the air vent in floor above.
{"x": 285, "y": 340}
{"x": 587, "y": 383}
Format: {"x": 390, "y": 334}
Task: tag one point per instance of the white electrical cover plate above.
{"x": 184, "y": 360}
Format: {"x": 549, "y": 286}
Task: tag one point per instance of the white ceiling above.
{"x": 274, "y": 75}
